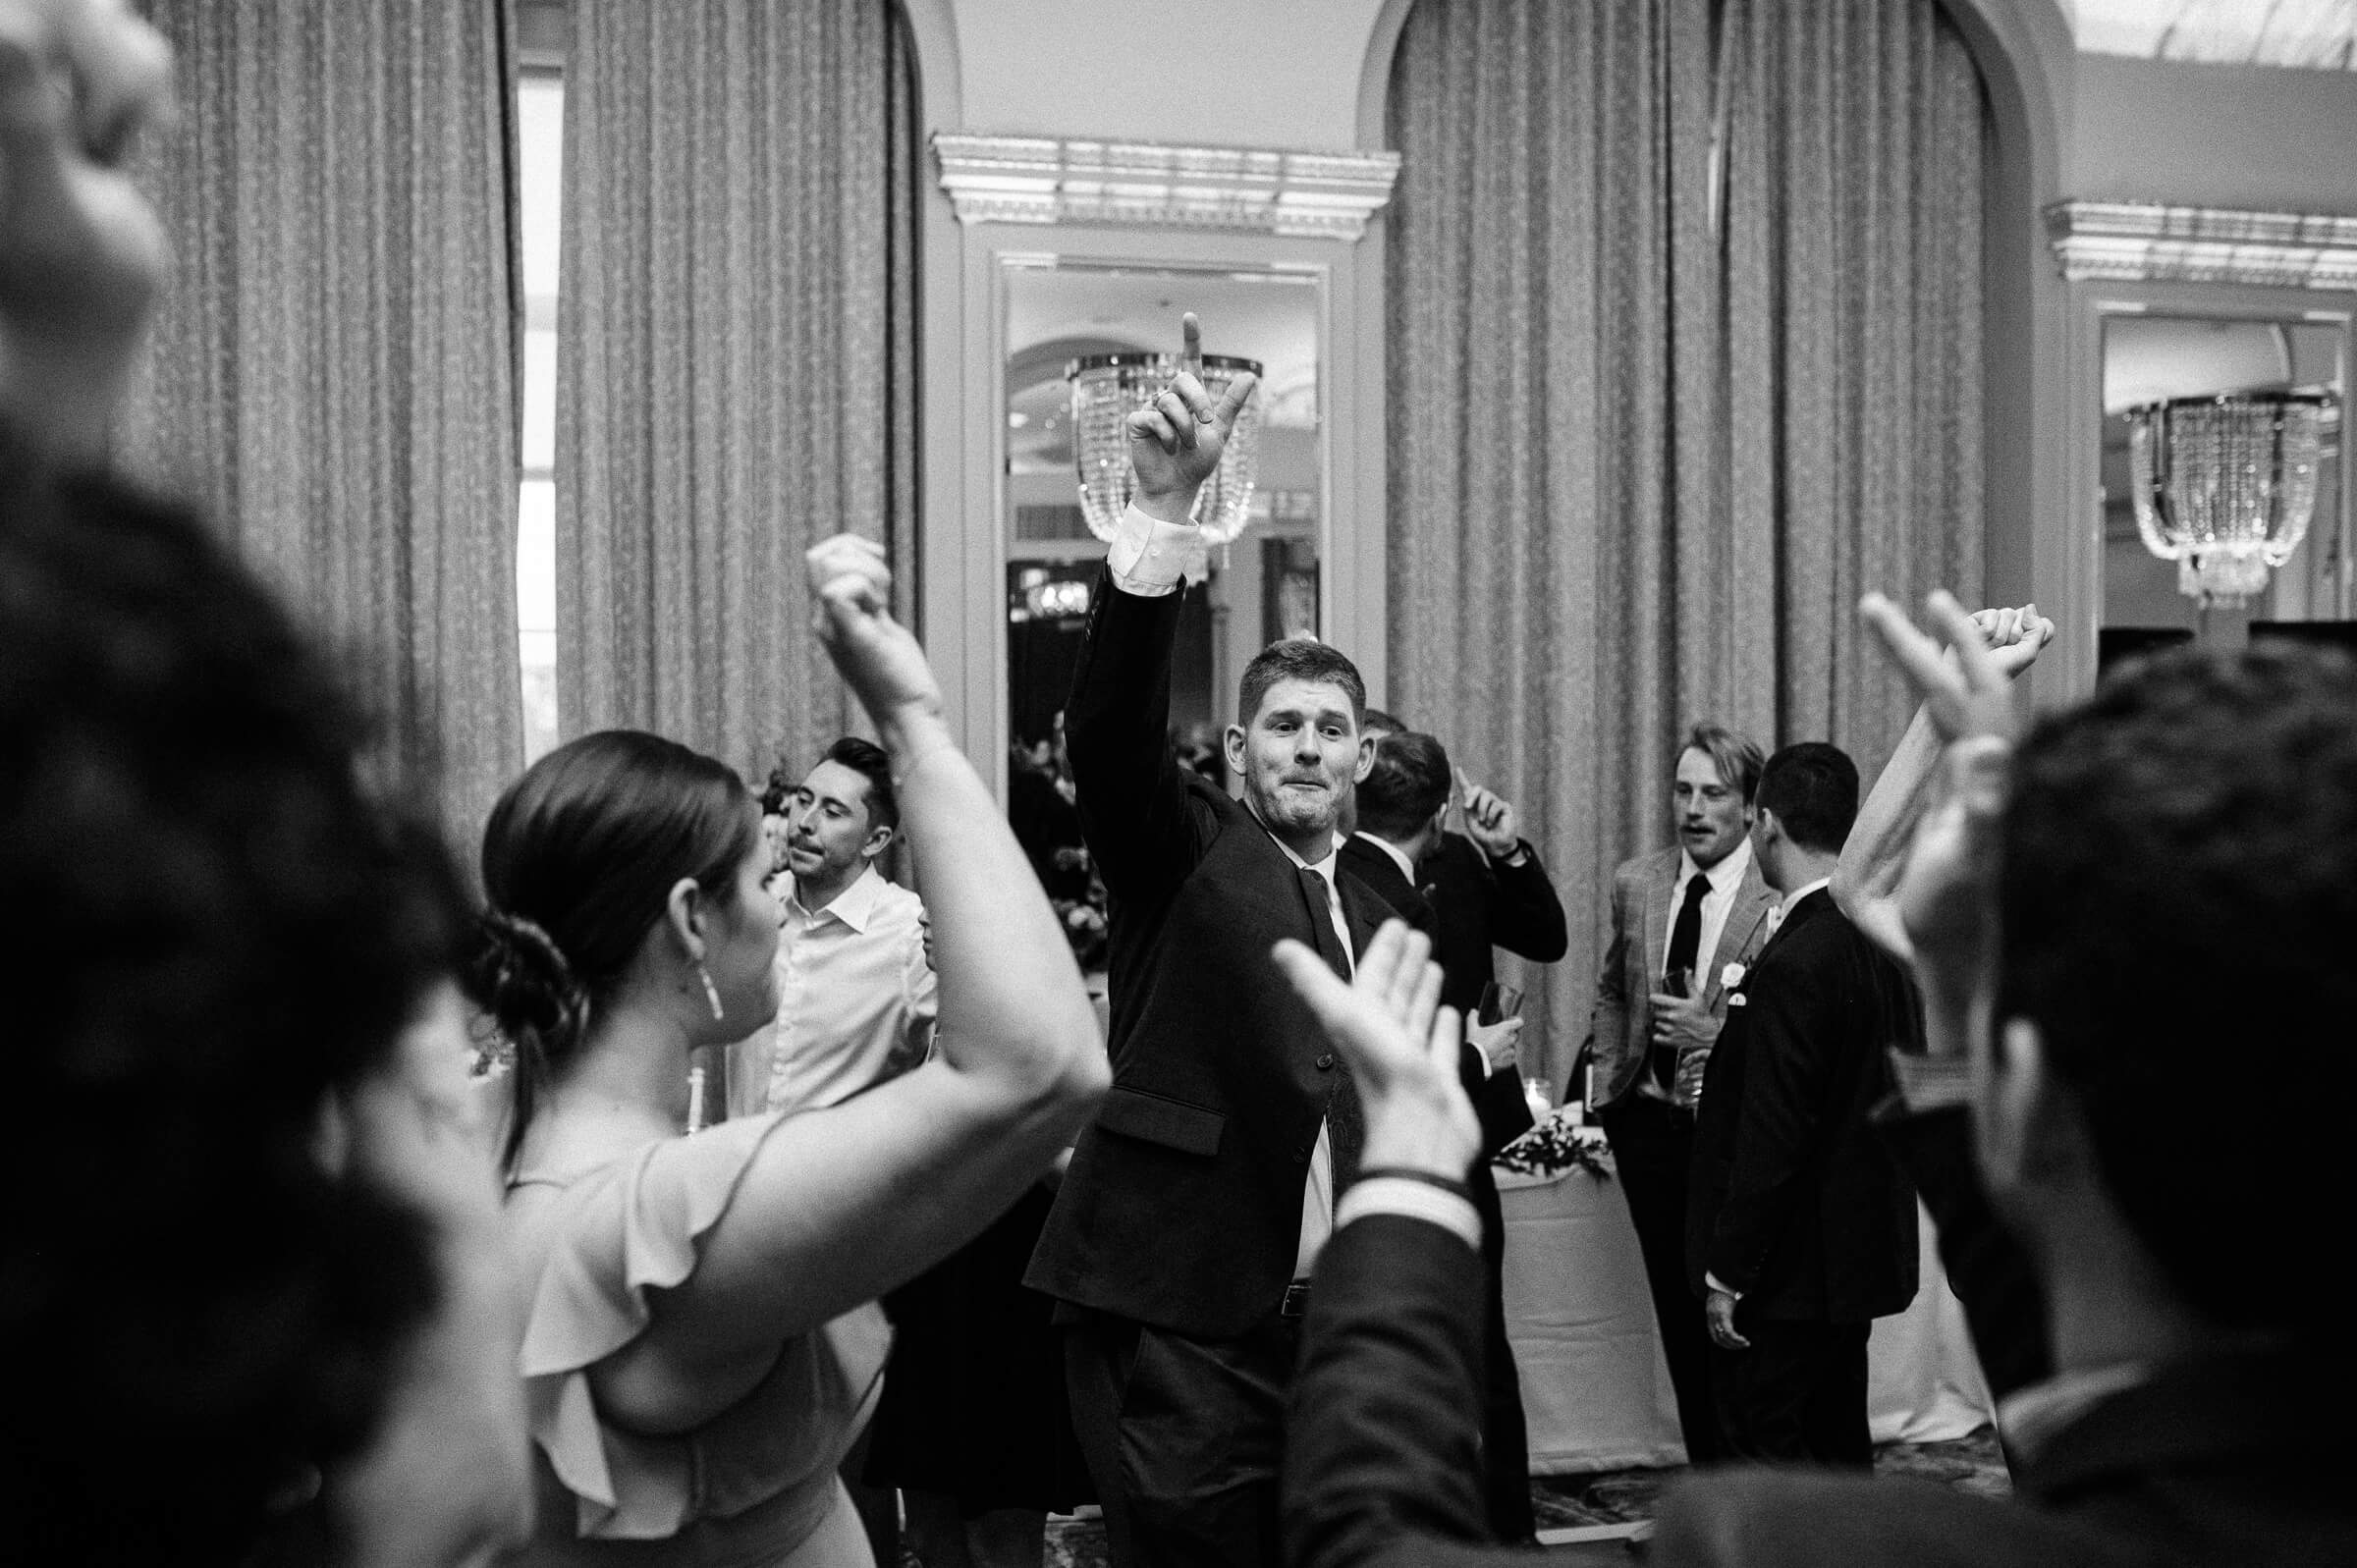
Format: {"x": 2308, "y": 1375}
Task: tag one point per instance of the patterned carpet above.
{"x": 1624, "y": 1496}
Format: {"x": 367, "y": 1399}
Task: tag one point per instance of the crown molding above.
{"x": 2125, "y": 241}
{"x": 1043, "y": 180}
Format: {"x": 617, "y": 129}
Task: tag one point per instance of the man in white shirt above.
{"x": 855, "y": 994}
{"x": 1684, "y": 920}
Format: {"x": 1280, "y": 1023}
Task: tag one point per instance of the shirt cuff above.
{"x": 1721, "y": 1285}
{"x": 1931, "y": 1083}
{"x": 1413, "y": 1200}
{"x": 1149, "y": 555}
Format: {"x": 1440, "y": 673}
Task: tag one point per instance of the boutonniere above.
{"x": 1732, "y": 976}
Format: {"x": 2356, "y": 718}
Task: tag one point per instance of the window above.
{"x": 540, "y": 134}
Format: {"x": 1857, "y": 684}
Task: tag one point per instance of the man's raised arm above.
{"x": 1127, "y": 788}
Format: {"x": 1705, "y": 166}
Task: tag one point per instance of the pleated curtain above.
{"x": 1685, "y": 349}
{"x": 735, "y": 355}
{"x": 333, "y": 367}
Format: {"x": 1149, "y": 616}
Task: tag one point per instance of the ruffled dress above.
{"x": 753, "y": 1488}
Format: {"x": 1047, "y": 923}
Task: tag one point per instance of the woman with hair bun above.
{"x": 700, "y": 1344}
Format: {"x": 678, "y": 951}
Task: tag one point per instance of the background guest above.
{"x": 1402, "y": 803}
{"x": 1684, "y": 919}
{"x": 1802, "y": 1230}
{"x": 1488, "y": 889}
{"x": 857, "y": 999}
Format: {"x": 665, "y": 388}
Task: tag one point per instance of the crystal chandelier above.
{"x": 1106, "y": 388}
{"x": 2225, "y": 486}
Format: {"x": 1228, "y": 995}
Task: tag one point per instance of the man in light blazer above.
{"x": 1683, "y": 919}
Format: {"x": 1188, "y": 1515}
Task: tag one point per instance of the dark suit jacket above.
{"x": 2216, "y": 1462}
{"x": 1795, "y": 1201}
{"x": 1479, "y": 906}
{"x": 1183, "y": 1205}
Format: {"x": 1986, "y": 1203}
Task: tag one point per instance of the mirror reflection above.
{"x": 1063, "y": 315}
{"x": 2158, "y": 366}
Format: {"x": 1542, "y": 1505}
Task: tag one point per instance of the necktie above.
{"x": 1685, "y": 938}
{"x": 1345, "y": 1125}
{"x": 1685, "y": 951}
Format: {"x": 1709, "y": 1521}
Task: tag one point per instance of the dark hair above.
{"x": 867, "y": 759}
{"x": 220, "y": 931}
{"x": 1736, "y": 757}
{"x": 1376, "y": 719}
{"x": 1813, "y": 789}
{"x": 1298, "y": 659}
{"x": 580, "y": 858}
{"x": 1409, "y": 781}
{"x": 2177, "y": 890}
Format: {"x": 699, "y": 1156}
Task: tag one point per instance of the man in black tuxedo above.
{"x": 1487, "y": 890}
{"x": 1182, "y": 1240}
{"x": 2164, "y": 872}
{"x": 1801, "y": 1228}
{"x": 1401, "y": 805}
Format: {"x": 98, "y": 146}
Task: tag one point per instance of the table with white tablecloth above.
{"x": 1595, "y": 1391}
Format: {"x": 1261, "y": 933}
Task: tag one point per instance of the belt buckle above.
{"x": 1296, "y": 1300}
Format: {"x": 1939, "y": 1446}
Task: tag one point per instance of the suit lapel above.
{"x": 1363, "y": 911}
{"x": 1658, "y": 888}
{"x": 1755, "y": 902}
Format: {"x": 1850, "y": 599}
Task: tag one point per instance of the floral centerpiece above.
{"x": 1554, "y": 1146}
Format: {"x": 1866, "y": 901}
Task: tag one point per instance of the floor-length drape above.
{"x": 734, "y": 356}
{"x": 1855, "y": 141}
{"x": 1683, "y": 354}
{"x": 1550, "y": 251}
{"x": 333, "y": 369}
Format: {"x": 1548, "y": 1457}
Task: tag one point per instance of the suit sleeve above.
{"x": 1498, "y": 1101}
{"x": 1608, "y": 1018}
{"x": 1383, "y": 1449}
{"x": 1988, "y": 1269}
{"x": 1789, "y": 1052}
{"x": 1131, "y": 800}
{"x": 1525, "y": 915}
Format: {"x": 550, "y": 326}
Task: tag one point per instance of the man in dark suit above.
{"x": 1685, "y": 919}
{"x": 2167, "y": 870}
{"x": 1802, "y": 1230}
{"x": 1182, "y": 1239}
{"x": 1487, "y": 890}
{"x": 1401, "y": 806}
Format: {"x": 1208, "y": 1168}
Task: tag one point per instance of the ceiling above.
{"x": 2316, "y": 34}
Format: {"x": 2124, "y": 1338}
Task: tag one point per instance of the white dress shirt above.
{"x": 855, "y": 1000}
{"x": 1149, "y": 556}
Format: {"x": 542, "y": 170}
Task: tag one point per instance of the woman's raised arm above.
{"x": 841, "y": 1205}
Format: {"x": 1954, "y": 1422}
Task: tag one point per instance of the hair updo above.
{"x": 580, "y": 858}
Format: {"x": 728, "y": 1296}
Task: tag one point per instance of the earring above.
{"x": 712, "y": 992}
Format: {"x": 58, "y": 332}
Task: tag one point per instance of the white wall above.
{"x": 2213, "y": 135}
{"x": 1241, "y": 73}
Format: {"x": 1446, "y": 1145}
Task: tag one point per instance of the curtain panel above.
{"x": 1684, "y": 316}
{"x": 333, "y": 366}
{"x": 735, "y": 357}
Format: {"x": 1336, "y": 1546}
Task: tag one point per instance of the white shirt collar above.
{"x": 854, "y": 906}
{"x": 1407, "y": 867}
{"x": 1722, "y": 876}
{"x": 1792, "y": 899}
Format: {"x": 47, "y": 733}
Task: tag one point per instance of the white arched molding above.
{"x": 1001, "y": 197}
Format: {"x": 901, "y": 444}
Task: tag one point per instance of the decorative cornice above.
{"x": 1318, "y": 195}
{"x": 2132, "y": 242}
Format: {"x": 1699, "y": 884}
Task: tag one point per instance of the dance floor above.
{"x": 1586, "y": 1518}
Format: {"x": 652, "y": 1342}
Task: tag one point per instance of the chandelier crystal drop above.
{"x": 2225, "y": 486}
{"x": 1106, "y": 388}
